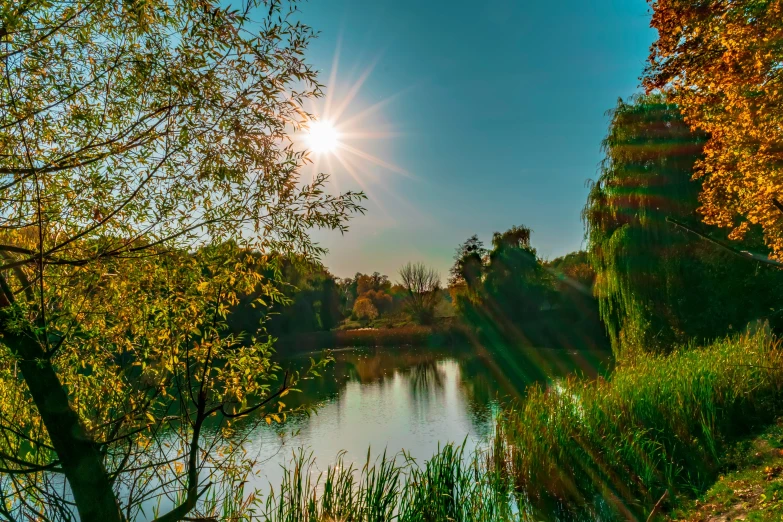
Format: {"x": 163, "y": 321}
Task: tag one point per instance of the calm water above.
{"x": 411, "y": 398}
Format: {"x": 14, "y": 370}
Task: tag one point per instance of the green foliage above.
{"x": 503, "y": 289}
{"x": 468, "y": 258}
{"x": 450, "y": 486}
{"x": 610, "y": 448}
{"x": 309, "y": 299}
{"x": 575, "y": 267}
{"x": 658, "y": 286}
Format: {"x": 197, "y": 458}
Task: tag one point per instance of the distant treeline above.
{"x": 317, "y": 301}
{"x": 510, "y": 297}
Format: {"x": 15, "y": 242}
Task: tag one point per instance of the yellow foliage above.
{"x": 720, "y": 62}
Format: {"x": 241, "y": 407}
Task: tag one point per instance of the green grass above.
{"x": 448, "y": 487}
{"x": 749, "y": 488}
{"x": 612, "y": 447}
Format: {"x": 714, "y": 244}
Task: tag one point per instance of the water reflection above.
{"x": 411, "y": 398}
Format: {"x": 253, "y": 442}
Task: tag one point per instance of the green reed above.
{"x": 448, "y": 487}
{"x": 610, "y": 448}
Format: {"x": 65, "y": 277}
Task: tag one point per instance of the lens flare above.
{"x": 322, "y": 137}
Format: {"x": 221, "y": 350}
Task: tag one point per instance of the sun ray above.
{"x": 334, "y": 179}
{"x": 353, "y": 91}
{"x": 333, "y": 75}
{"x": 375, "y": 107}
{"x": 375, "y": 160}
{"x": 348, "y": 166}
{"x": 365, "y": 135}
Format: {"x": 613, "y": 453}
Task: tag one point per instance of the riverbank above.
{"x": 614, "y": 447}
{"x": 548, "y": 331}
{"x": 446, "y": 334}
{"x": 691, "y": 436}
{"x": 750, "y": 487}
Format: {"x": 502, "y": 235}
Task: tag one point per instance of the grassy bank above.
{"x": 613, "y": 447}
{"x": 750, "y": 487}
{"x": 441, "y": 335}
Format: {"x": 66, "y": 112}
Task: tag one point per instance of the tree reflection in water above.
{"x": 482, "y": 377}
{"x": 413, "y": 398}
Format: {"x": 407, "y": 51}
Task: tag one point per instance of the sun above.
{"x": 322, "y": 137}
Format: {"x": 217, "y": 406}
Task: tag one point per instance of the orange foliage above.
{"x": 721, "y": 63}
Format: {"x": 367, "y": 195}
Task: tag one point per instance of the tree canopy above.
{"x": 505, "y": 287}
{"x": 658, "y": 285}
{"x": 145, "y": 156}
{"x": 719, "y": 62}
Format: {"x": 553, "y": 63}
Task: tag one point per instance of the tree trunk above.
{"x": 77, "y": 452}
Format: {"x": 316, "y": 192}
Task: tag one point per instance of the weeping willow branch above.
{"x": 750, "y": 256}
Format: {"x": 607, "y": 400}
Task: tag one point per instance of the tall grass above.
{"x": 448, "y": 487}
{"x": 610, "y": 448}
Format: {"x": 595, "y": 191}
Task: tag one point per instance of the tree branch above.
{"x": 750, "y": 256}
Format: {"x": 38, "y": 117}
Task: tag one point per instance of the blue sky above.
{"x": 491, "y": 115}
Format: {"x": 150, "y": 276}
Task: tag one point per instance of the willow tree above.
{"x": 657, "y": 284}
{"x": 721, "y": 63}
{"x": 145, "y": 168}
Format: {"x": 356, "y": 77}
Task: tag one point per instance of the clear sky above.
{"x": 479, "y": 116}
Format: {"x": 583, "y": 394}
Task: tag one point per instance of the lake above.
{"x": 411, "y": 398}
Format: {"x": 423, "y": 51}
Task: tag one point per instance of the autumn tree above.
{"x": 657, "y": 284}
{"x": 145, "y": 156}
{"x": 364, "y": 309}
{"x": 374, "y": 282}
{"x": 376, "y": 287}
{"x": 422, "y": 288}
{"x": 720, "y": 63}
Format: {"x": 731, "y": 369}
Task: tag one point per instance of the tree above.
{"x": 330, "y": 312}
{"x": 380, "y": 299}
{"x": 658, "y": 286}
{"x": 311, "y": 300}
{"x": 145, "y": 153}
{"x": 575, "y": 268}
{"x": 720, "y": 63}
{"x": 468, "y": 259}
{"x": 507, "y": 298}
{"x": 422, "y": 286}
{"x": 374, "y": 282}
{"x": 515, "y": 282}
{"x": 363, "y": 309}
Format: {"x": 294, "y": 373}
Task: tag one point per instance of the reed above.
{"x": 450, "y": 486}
{"x": 610, "y": 448}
